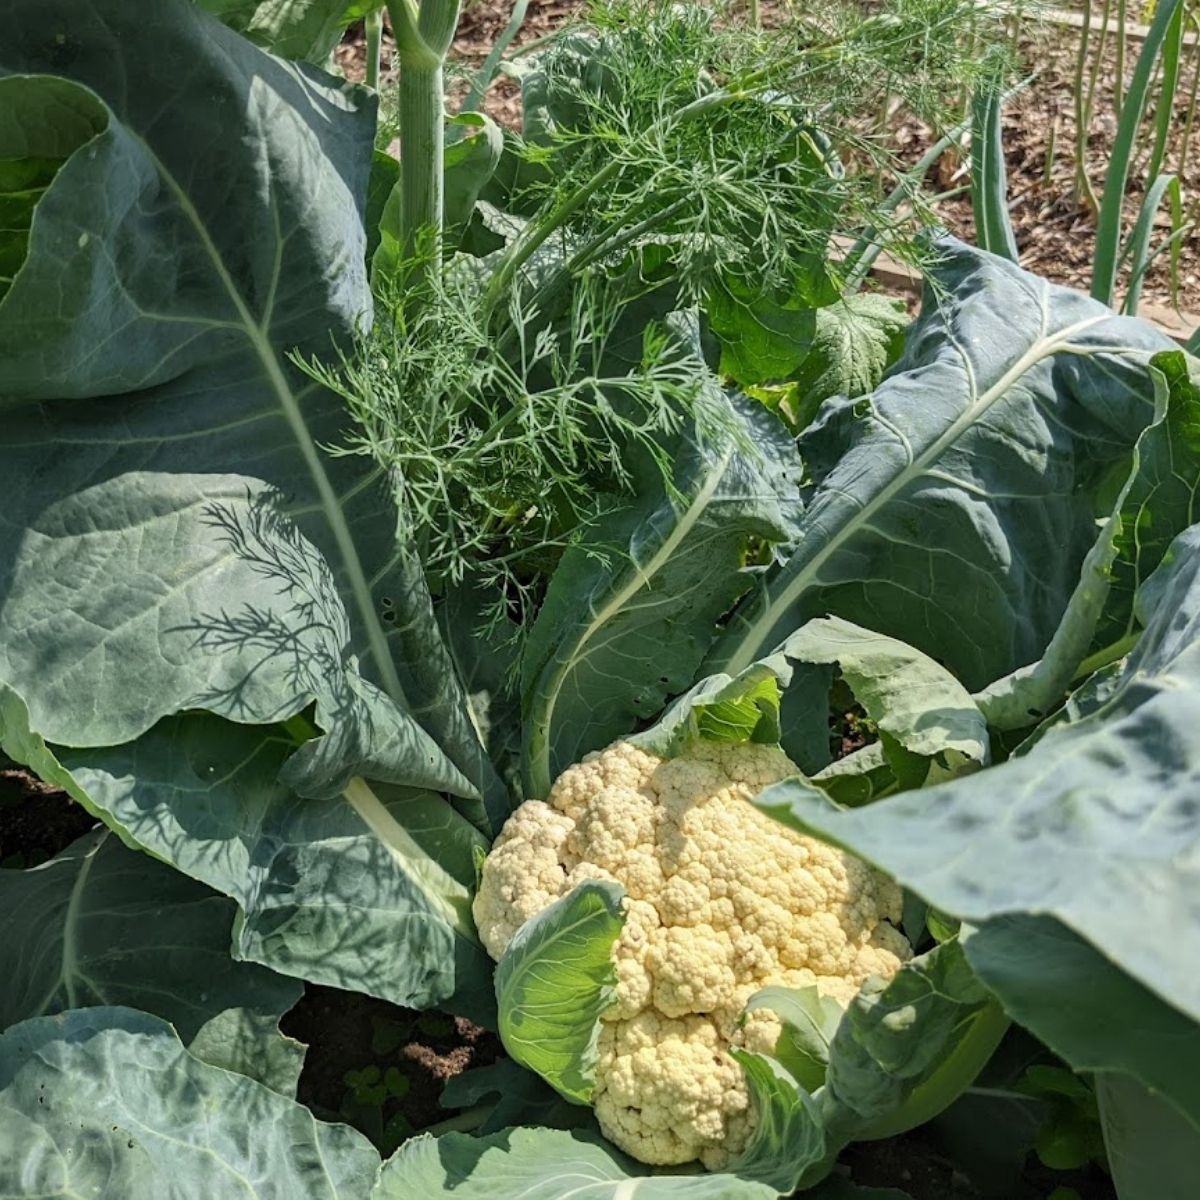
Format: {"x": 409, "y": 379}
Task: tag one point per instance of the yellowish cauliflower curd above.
{"x": 721, "y": 901}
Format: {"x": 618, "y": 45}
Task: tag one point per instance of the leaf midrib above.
{"x": 288, "y": 404}
{"x": 640, "y": 576}
{"x": 750, "y": 647}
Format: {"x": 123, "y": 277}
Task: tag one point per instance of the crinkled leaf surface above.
{"x": 953, "y": 507}
{"x": 631, "y": 611}
{"x": 104, "y": 925}
{"x": 1097, "y": 826}
{"x": 107, "y": 1102}
{"x": 856, "y": 339}
{"x": 554, "y": 980}
{"x": 542, "y": 1164}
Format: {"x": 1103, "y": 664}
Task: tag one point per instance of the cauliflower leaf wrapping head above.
{"x": 721, "y": 901}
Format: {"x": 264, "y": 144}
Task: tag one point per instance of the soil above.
{"x": 1055, "y": 230}
{"x": 912, "y": 1164}
{"x": 379, "y": 1066}
{"x": 36, "y": 820}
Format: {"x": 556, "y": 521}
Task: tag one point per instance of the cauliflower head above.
{"x": 722, "y": 900}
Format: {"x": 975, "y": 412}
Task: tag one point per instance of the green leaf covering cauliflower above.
{"x": 721, "y": 900}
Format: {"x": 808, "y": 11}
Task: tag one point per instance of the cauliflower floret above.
{"x": 721, "y": 901}
{"x": 667, "y": 1092}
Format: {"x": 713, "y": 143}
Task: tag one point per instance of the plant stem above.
{"x": 423, "y": 36}
{"x": 466, "y": 1121}
{"x": 374, "y": 47}
{"x": 1119, "y": 69}
{"x": 422, "y": 144}
{"x": 1085, "y": 121}
{"x": 1084, "y": 194}
{"x": 486, "y": 73}
{"x": 1109, "y": 655}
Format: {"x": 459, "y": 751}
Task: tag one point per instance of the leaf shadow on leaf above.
{"x": 305, "y": 640}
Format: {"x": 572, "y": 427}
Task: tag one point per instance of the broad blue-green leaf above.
{"x": 632, "y": 609}
{"x": 928, "y": 722}
{"x": 250, "y": 1043}
{"x": 954, "y": 506}
{"x": 1152, "y": 1150}
{"x": 1096, "y": 826}
{"x": 542, "y": 1164}
{"x": 1155, "y": 503}
{"x": 553, "y": 982}
{"x": 369, "y": 891}
{"x": 107, "y": 1102}
{"x": 181, "y": 542}
{"x": 42, "y": 123}
{"x": 307, "y": 29}
{"x": 909, "y": 1047}
{"x": 1112, "y": 1023}
{"x": 103, "y": 925}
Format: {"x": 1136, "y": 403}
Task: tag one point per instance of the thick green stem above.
{"x": 423, "y": 35}
{"x": 422, "y": 142}
{"x": 374, "y": 47}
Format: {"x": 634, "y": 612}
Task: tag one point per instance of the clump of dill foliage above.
{"x": 678, "y": 158}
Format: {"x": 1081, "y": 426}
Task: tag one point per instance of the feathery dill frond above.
{"x": 500, "y": 460}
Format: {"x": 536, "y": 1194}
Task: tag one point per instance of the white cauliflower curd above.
{"x": 721, "y": 901}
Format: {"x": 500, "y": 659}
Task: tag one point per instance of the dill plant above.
{"x": 680, "y": 171}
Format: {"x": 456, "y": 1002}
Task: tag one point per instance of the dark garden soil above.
{"x": 915, "y": 1166}
{"x": 1054, "y": 229}
{"x": 36, "y": 819}
{"x": 378, "y": 1066}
